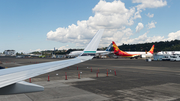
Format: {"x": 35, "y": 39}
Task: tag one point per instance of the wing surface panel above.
{"x": 17, "y": 74}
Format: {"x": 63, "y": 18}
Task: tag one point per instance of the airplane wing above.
{"x": 11, "y": 81}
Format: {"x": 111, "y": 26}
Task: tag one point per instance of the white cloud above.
{"x": 149, "y": 3}
{"x": 38, "y": 50}
{"x": 139, "y": 27}
{"x": 144, "y": 38}
{"x": 151, "y": 25}
{"x": 174, "y": 35}
{"x": 63, "y": 47}
{"x": 107, "y": 8}
{"x": 113, "y": 16}
{"x": 137, "y": 14}
{"x": 150, "y": 15}
{"x": 119, "y": 36}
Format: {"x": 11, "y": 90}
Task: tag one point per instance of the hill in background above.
{"x": 173, "y": 45}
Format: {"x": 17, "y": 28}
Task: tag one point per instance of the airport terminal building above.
{"x": 9, "y": 52}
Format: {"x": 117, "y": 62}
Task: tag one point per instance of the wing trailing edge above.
{"x": 11, "y": 81}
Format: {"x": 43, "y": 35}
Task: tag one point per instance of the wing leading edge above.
{"x": 12, "y": 77}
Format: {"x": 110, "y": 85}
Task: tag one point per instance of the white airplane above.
{"x": 77, "y": 53}
{"x": 147, "y": 54}
{"x": 119, "y": 52}
{"x": 169, "y": 52}
{"x": 11, "y": 81}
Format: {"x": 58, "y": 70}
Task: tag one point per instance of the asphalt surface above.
{"x": 136, "y": 80}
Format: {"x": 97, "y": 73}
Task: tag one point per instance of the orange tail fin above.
{"x": 119, "y": 52}
{"x": 115, "y": 47}
{"x": 151, "y": 50}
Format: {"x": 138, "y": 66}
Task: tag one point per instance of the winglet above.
{"x": 91, "y": 48}
{"x": 151, "y": 50}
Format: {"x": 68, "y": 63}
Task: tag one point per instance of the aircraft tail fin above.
{"x": 115, "y": 47}
{"x": 151, "y": 50}
{"x": 91, "y": 48}
{"x": 109, "y": 47}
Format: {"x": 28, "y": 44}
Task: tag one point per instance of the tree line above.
{"x": 173, "y": 45}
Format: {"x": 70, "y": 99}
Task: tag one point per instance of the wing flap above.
{"x": 21, "y": 87}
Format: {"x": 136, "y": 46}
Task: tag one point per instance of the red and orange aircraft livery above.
{"x": 119, "y": 52}
{"x": 151, "y": 50}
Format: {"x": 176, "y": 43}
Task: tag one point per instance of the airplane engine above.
{"x": 143, "y": 56}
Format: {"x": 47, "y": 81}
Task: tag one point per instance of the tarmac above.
{"x": 136, "y": 80}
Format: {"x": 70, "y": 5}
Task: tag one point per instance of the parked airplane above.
{"x": 77, "y": 53}
{"x": 119, "y": 52}
{"x": 11, "y": 81}
{"x": 169, "y": 52}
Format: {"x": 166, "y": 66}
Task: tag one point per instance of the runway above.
{"x": 136, "y": 80}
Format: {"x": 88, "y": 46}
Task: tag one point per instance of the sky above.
{"x": 36, "y": 25}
